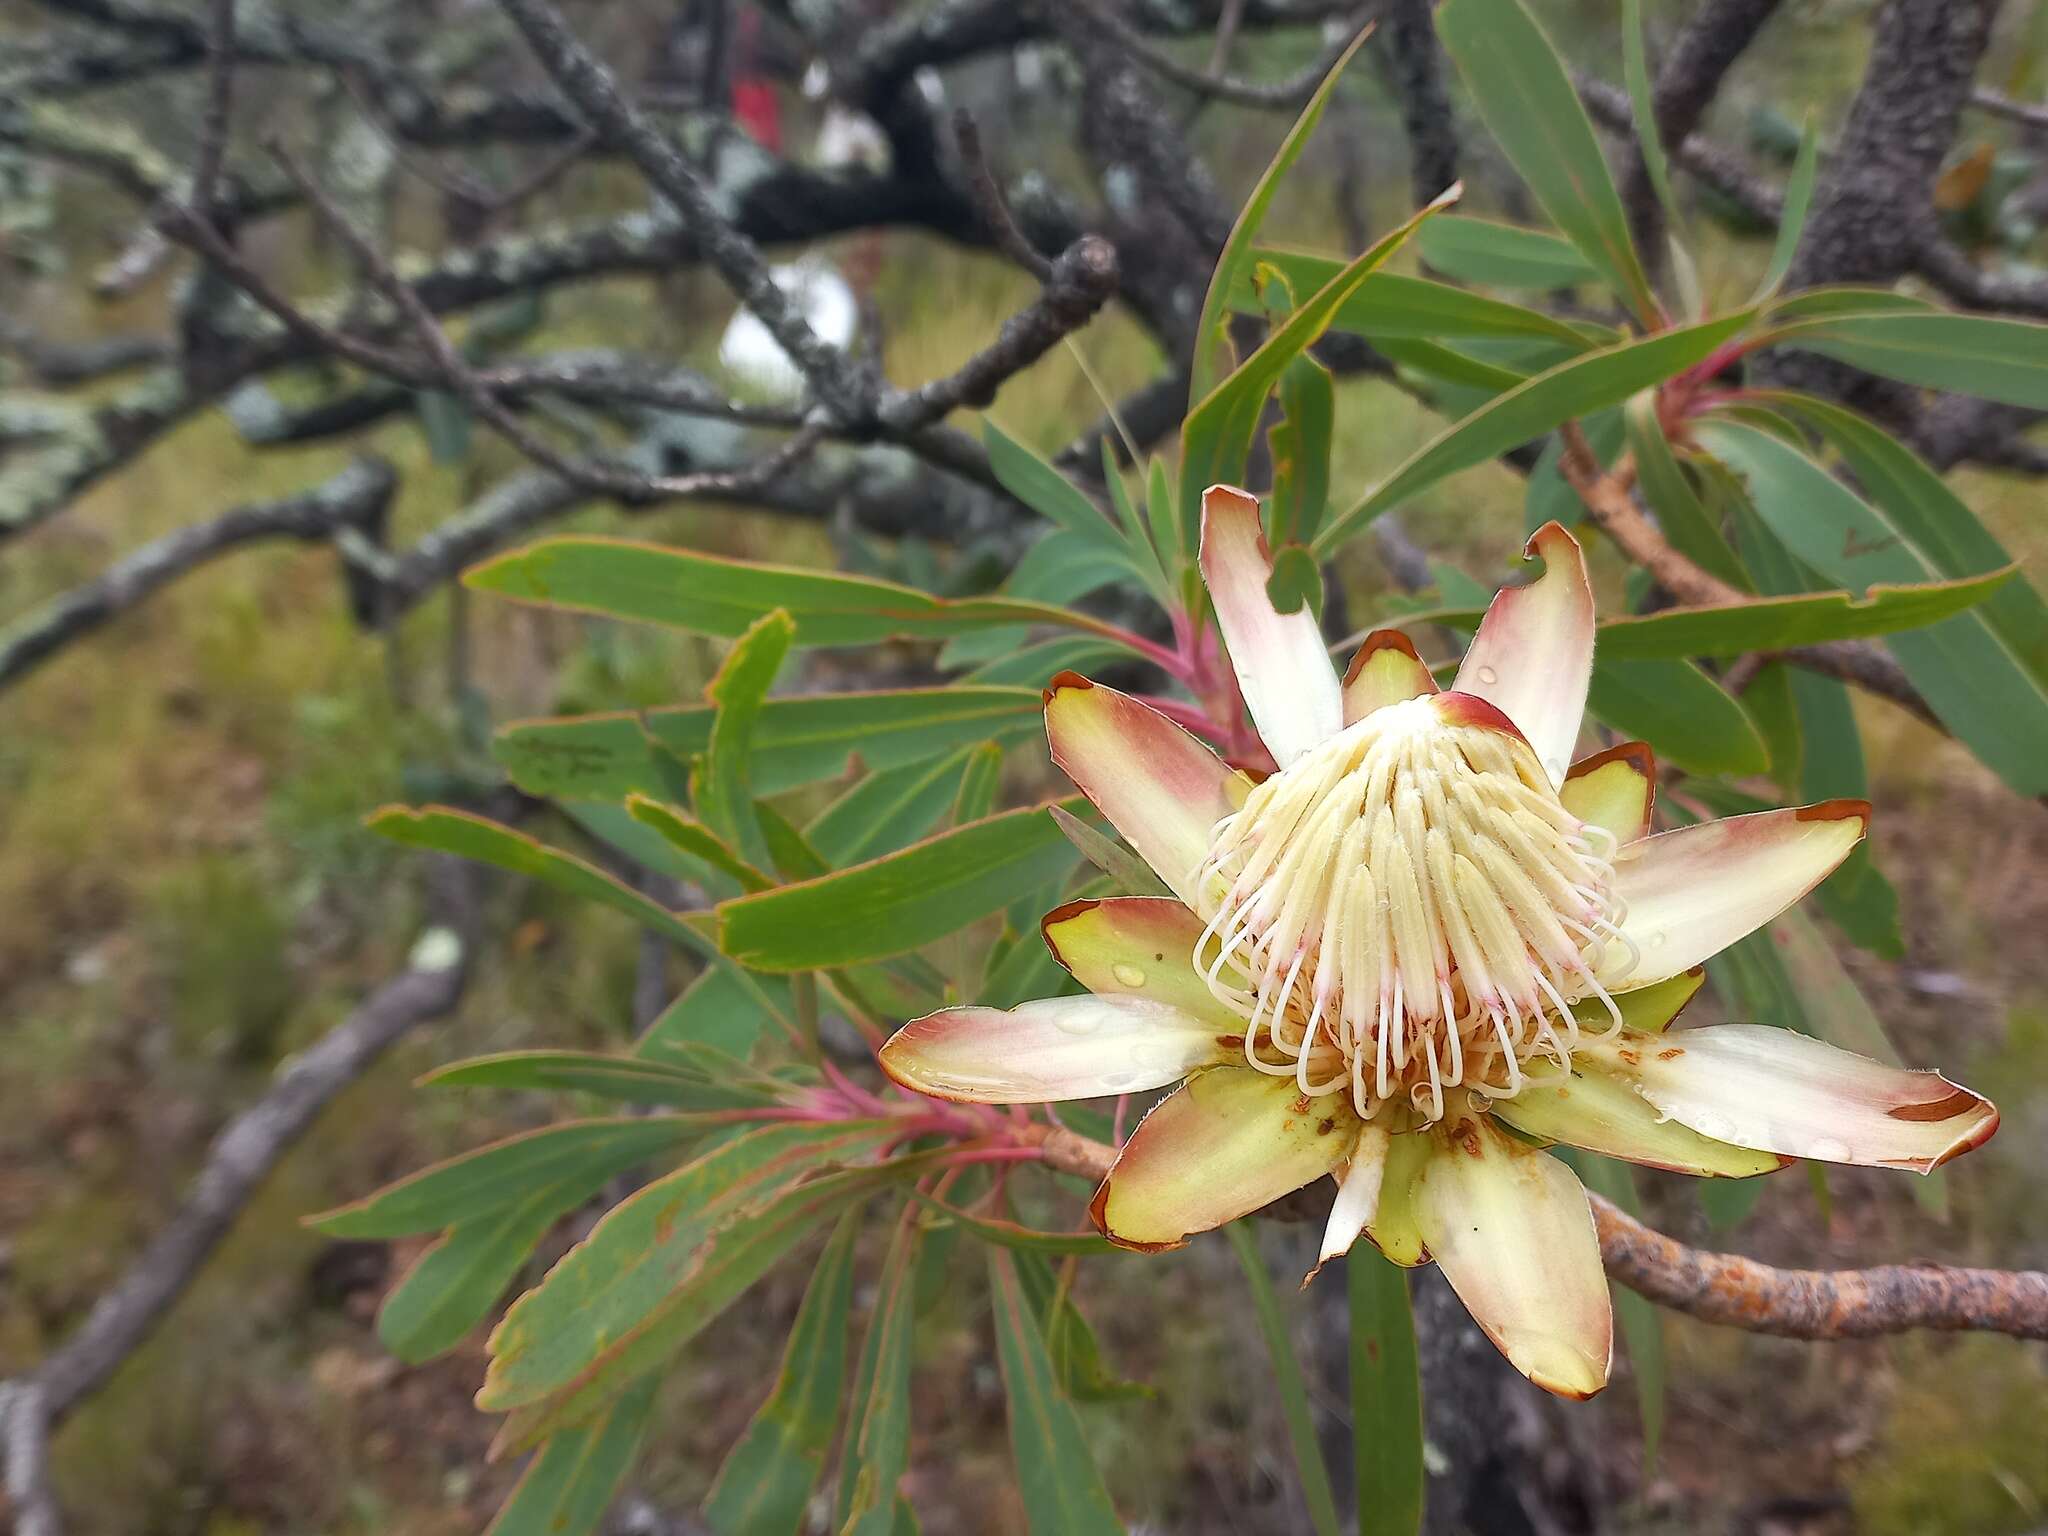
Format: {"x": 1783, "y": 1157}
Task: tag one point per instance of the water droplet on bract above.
{"x": 1128, "y": 975}
{"x": 1117, "y": 1082}
{"x": 1084, "y": 1021}
{"x": 1488, "y": 675}
{"x": 1655, "y": 940}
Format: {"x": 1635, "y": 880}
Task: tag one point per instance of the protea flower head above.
{"x": 1425, "y": 948}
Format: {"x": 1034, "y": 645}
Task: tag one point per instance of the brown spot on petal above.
{"x": 1670, "y": 1055}
{"x": 1231, "y": 1042}
{"x": 1958, "y": 1102}
{"x": 1301, "y": 1104}
{"x": 1324, "y": 1128}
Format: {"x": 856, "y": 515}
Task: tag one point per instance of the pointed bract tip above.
{"x": 1379, "y": 640}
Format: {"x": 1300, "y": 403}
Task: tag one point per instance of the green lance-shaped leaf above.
{"x": 1301, "y": 442}
{"x": 1078, "y": 1366}
{"x": 636, "y": 1259}
{"x": 1681, "y": 512}
{"x": 1386, "y": 1395}
{"x": 696, "y": 841}
{"x": 1216, "y": 438}
{"x": 1981, "y": 355}
{"x": 1389, "y": 305}
{"x": 1526, "y": 99}
{"x": 1057, "y": 1478}
{"x": 1212, "y": 344}
{"x": 1843, "y": 299}
{"x": 626, "y": 1079}
{"x": 1131, "y": 875}
{"x": 898, "y": 902}
{"x": 1033, "y": 666}
{"x": 1680, "y": 711}
{"x": 887, "y": 810}
{"x": 454, "y": 1284}
{"x": 1476, "y": 250}
{"x": 1287, "y": 1379}
{"x": 1778, "y": 623}
{"x": 474, "y": 837}
{"x": 724, "y": 1009}
{"x": 710, "y": 595}
{"x": 878, "y": 1452}
{"x": 1798, "y": 201}
{"x": 488, "y": 842}
{"x": 1570, "y": 390}
{"x": 572, "y": 1482}
{"x": 723, "y": 797}
{"x": 1635, "y": 72}
{"x": 1941, "y": 527}
{"x": 765, "y": 1484}
{"x": 1008, "y": 1234}
{"x": 1048, "y": 492}
{"x": 797, "y": 741}
{"x": 494, "y": 1177}
{"x": 1970, "y": 679}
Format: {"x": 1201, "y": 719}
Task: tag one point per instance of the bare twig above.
{"x": 1742, "y": 1293}
{"x": 995, "y": 214}
{"x": 2032, "y": 114}
{"x": 354, "y": 499}
{"x": 24, "y": 1459}
{"x": 1076, "y": 287}
{"x": 1290, "y": 92}
{"x": 220, "y": 100}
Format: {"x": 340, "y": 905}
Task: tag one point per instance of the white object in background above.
{"x": 756, "y": 359}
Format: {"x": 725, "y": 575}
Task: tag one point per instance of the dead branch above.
{"x": 354, "y": 499}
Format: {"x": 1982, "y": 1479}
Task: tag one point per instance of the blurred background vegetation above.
{"x": 186, "y": 898}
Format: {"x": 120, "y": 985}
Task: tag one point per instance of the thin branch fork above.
{"x": 1741, "y": 1293}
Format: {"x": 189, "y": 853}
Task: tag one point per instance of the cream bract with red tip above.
{"x": 1588, "y": 1108}
{"x": 1053, "y": 1049}
{"x": 1690, "y": 893}
{"x": 1136, "y": 946}
{"x": 1757, "y": 1086}
{"x": 1614, "y": 790}
{"x": 1282, "y": 667}
{"x": 1161, "y": 788}
{"x": 1533, "y": 655}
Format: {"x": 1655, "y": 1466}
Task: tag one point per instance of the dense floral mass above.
{"x": 1425, "y": 948}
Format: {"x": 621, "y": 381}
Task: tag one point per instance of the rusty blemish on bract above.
{"x": 1061, "y": 680}
{"x": 1670, "y": 1055}
{"x": 1324, "y": 1127}
{"x": 1466, "y": 1134}
{"x": 1835, "y": 810}
{"x": 1231, "y": 1042}
{"x": 1630, "y": 1055}
{"x": 1383, "y": 640}
{"x": 1957, "y": 1101}
{"x": 1301, "y": 1104}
